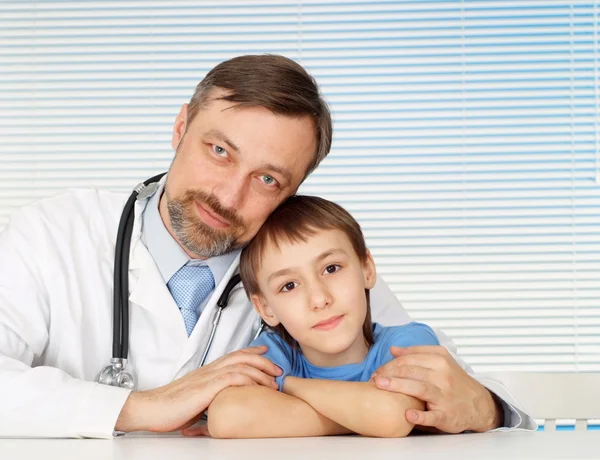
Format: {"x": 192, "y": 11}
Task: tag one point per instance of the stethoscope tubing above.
{"x": 120, "y": 346}
{"x": 114, "y": 374}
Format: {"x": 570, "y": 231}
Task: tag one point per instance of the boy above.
{"x": 308, "y": 273}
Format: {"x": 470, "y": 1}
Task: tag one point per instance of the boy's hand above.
{"x": 455, "y": 401}
{"x": 177, "y": 405}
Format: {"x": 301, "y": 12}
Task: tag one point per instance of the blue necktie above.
{"x": 189, "y": 286}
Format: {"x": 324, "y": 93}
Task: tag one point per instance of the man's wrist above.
{"x": 129, "y": 419}
{"x": 496, "y": 413}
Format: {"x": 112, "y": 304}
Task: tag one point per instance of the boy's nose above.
{"x": 320, "y": 297}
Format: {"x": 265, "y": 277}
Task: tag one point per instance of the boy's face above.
{"x": 316, "y": 290}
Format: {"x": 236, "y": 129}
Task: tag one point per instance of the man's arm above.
{"x": 178, "y": 404}
{"x": 40, "y": 401}
{"x": 46, "y": 402}
{"x": 260, "y": 412}
{"x": 359, "y": 406}
{"x": 43, "y": 401}
{"x": 387, "y": 310}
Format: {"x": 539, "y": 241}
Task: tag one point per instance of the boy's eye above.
{"x": 332, "y": 268}
{"x": 219, "y": 150}
{"x": 288, "y": 286}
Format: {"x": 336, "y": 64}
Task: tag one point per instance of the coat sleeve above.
{"x": 36, "y": 400}
{"x": 388, "y": 311}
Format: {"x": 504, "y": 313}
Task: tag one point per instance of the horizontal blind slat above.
{"x": 465, "y": 141}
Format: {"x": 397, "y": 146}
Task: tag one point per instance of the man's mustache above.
{"x": 211, "y": 201}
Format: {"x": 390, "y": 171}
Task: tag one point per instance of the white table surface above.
{"x": 506, "y": 446}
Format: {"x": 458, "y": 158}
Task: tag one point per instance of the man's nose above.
{"x": 230, "y": 191}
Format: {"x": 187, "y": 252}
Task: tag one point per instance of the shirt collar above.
{"x": 165, "y": 250}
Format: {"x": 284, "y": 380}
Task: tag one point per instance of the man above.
{"x": 254, "y": 129}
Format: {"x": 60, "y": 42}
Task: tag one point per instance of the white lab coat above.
{"x": 56, "y": 277}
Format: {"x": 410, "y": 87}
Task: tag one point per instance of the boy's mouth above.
{"x": 329, "y": 323}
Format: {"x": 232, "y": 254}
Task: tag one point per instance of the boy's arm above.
{"x": 359, "y": 406}
{"x": 260, "y": 412}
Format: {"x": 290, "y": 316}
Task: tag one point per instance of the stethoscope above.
{"x": 115, "y": 374}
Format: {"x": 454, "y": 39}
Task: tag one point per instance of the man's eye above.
{"x": 268, "y": 180}
{"x": 332, "y": 268}
{"x": 288, "y": 286}
{"x": 219, "y": 150}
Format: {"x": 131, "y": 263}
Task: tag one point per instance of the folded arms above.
{"x": 310, "y": 407}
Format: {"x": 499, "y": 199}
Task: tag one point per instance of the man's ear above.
{"x": 261, "y": 306}
{"x": 179, "y": 127}
{"x": 369, "y": 271}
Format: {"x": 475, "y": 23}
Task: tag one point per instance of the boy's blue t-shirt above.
{"x": 294, "y": 363}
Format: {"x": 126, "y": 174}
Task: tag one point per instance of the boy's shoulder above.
{"x": 278, "y": 347}
{"x": 269, "y": 337}
{"x": 406, "y": 335}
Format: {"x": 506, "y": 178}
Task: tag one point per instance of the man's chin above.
{"x": 203, "y": 241}
{"x": 208, "y": 249}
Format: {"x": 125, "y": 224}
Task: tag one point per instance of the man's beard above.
{"x": 196, "y": 236}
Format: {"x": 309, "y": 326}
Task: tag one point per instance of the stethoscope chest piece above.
{"x": 115, "y": 375}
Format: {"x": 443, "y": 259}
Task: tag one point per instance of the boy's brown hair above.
{"x": 296, "y": 219}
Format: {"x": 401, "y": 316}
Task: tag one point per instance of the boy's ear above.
{"x": 261, "y": 306}
{"x": 369, "y": 271}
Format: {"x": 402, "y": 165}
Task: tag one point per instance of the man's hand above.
{"x": 180, "y": 403}
{"x": 455, "y": 401}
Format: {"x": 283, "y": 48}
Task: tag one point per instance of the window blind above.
{"x": 465, "y": 140}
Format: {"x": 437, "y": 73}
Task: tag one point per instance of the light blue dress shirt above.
{"x": 166, "y": 252}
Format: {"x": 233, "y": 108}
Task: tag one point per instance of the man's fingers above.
{"x": 226, "y": 380}
{"x": 254, "y": 360}
{"x": 419, "y": 349}
{"x": 429, "y": 362}
{"x": 257, "y": 350}
{"x": 431, "y": 418}
{"x": 433, "y": 362}
{"x": 242, "y": 375}
{"x": 430, "y": 357}
{"x": 409, "y": 372}
{"x": 201, "y": 430}
{"x": 256, "y": 375}
{"x": 417, "y": 389}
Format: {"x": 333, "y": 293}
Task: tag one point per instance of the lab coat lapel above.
{"x": 147, "y": 288}
{"x": 237, "y": 325}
